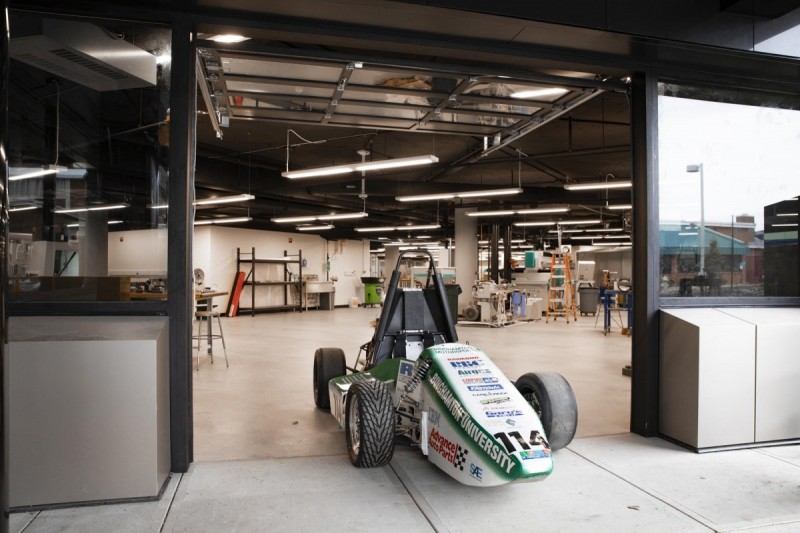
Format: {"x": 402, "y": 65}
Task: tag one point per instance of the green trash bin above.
{"x": 452, "y": 292}
{"x": 373, "y": 290}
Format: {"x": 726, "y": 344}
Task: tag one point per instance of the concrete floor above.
{"x": 267, "y": 460}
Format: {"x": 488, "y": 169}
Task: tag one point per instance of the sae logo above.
{"x": 476, "y": 471}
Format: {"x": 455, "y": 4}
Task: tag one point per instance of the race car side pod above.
{"x": 416, "y": 379}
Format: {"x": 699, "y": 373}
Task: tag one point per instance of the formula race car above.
{"x": 414, "y": 380}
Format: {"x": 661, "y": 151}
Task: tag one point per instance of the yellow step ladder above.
{"x": 560, "y": 289}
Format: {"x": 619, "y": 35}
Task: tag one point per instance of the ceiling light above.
{"x": 228, "y": 38}
{"x": 463, "y": 194}
{"x": 78, "y": 224}
{"x": 532, "y": 211}
{"x": 567, "y": 231}
{"x": 353, "y": 167}
{"x": 312, "y": 218}
{"x": 315, "y": 228}
{"x": 105, "y": 207}
{"x": 616, "y": 236}
{"x": 16, "y": 174}
{"x": 687, "y": 233}
{"x": 158, "y": 206}
{"x": 378, "y": 251}
{"x": 586, "y": 237}
{"x": 587, "y": 186}
{"x": 342, "y": 216}
{"x": 619, "y": 207}
{"x": 544, "y": 223}
{"x": 400, "y": 228}
{"x": 786, "y": 215}
{"x": 578, "y": 222}
{"x": 784, "y": 225}
{"x": 214, "y": 221}
{"x": 536, "y": 93}
{"x": 23, "y": 208}
{"x": 225, "y": 199}
{"x": 612, "y": 244}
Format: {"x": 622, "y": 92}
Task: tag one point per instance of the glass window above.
{"x": 729, "y": 179}
{"x": 88, "y": 159}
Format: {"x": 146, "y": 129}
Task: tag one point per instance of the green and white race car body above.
{"x": 465, "y": 415}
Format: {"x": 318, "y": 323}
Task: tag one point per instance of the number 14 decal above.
{"x": 508, "y": 439}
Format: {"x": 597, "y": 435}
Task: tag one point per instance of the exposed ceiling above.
{"x": 327, "y": 105}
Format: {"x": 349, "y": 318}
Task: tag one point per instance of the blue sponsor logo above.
{"x": 476, "y": 471}
{"x": 464, "y": 364}
{"x": 501, "y": 414}
{"x": 406, "y": 369}
{"x": 484, "y": 387}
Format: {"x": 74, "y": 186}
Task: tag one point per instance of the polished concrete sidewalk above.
{"x": 616, "y": 483}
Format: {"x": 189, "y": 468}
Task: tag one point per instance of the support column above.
{"x": 4, "y": 74}
{"x": 466, "y": 254}
{"x": 494, "y": 253}
{"x": 507, "y": 254}
{"x": 93, "y": 251}
{"x": 646, "y": 256}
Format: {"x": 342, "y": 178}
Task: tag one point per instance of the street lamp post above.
{"x": 699, "y": 168}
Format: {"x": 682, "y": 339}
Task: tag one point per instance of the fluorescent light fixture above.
{"x": 616, "y": 237}
{"x": 158, "y": 206}
{"x": 587, "y": 186}
{"x": 464, "y": 194}
{"x": 399, "y": 228}
{"x": 784, "y": 225}
{"x": 315, "y": 228}
{"x": 578, "y": 222}
{"x": 786, "y": 215}
{"x": 78, "y": 224}
{"x": 532, "y": 211}
{"x": 106, "y": 207}
{"x": 228, "y": 38}
{"x": 365, "y": 166}
{"x": 342, "y": 216}
{"x": 543, "y": 223}
{"x": 378, "y": 251}
{"x": 226, "y": 199}
{"x": 544, "y": 210}
{"x": 687, "y": 233}
{"x": 376, "y": 229}
{"x": 312, "y": 218}
{"x": 586, "y": 237}
{"x": 538, "y": 93}
{"x": 215, "y": 221}
{"x": 422, "y": 247}
{"x": 396, "y": 163}
{"x": 113, "y": 222}
{"x": 612, "y": 244}
{"x": 490, "y": 213}
{"x": 619, "y": 207}
{"x": 23, "y": 208}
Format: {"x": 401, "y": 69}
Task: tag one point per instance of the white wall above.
{"x": 620, "y": 262}
{"x": 215, "y": 252}
{"x": 138, "y": 252}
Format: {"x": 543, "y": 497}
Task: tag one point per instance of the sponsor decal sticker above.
{"x": 511, "y": 422}
{"x": 479, "y": 380}
{"x": 534, "y": 454}
{"x": 499, "y": 414}
{"x": 450, "y": 451}
{"x": 465, "y": 364}
{"x": 484, "y": 387}
{"x": 496, "y": 399}
{"x": 476, "y": 471}
{"x": 434, "y": 417}
{"x": 474, "y": 371}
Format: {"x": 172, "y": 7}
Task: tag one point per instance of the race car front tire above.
{"x": 552, "y": 398}
{"x": 329, "y": 363}
{"x": 369, "y": 424}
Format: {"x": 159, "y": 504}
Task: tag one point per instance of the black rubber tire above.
{"x": 369, "y": 424}
{"x": 552, "y": 398}
{"x": 328, "y": 363}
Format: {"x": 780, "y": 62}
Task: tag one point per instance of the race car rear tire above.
{"x": 552, "y": 398}
{"x": 369, "y": 424}
{"x": 328, "y": 363}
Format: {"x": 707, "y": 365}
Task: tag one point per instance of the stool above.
{"x": 205, "y": 314}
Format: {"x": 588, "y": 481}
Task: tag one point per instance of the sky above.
{"x": 750, "y": 157}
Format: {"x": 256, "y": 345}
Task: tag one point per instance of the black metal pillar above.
{"x": 507, "y": 254}
{"x": 180, "y": 226}
{"x": 646, "y": 253}
{"x": 4, "y": 75}
{"x": 494, "y": 253}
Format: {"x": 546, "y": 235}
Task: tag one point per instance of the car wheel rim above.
{"x": 354, "y": 425}
{"x": 531, "y": 398}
